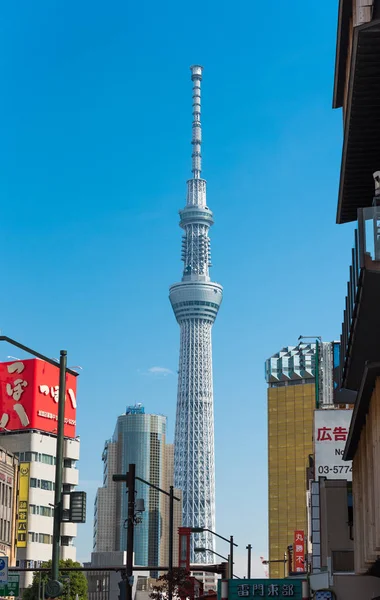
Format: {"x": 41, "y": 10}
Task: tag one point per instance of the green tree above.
{"x": 74, "y": 582}
{"x": 182, "y": 587}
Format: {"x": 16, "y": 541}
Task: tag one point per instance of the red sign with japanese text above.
{"x": 29, "y": 397}
{"x": 299, "y": 551}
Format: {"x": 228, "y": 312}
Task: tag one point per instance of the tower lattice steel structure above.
{"x": 195, "y": 301}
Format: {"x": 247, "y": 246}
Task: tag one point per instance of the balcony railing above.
{"x": 365, "y": 257}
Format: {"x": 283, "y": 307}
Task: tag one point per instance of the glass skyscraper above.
{"x": 141, "y": 439}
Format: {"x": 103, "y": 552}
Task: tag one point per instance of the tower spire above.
{"x": 196, "y": 140}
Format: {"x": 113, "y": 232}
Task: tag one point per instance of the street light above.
{"x": 130, "y": 480}
{"x": 230, "y": 542}
{"x": 216, "y": 553}
{"x": 277, "y": 560}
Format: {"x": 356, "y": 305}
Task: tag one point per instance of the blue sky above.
{"x": 94, "y": 156}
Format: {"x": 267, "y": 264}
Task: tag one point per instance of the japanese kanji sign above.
{"x": 299, "y": 552}
{"x": 264, "y": 588}
{"x": 331, "y": 429}
{"x": 23, "y": 499}
{"x": 29, "y": 397}
{"x": 12, "y": 588}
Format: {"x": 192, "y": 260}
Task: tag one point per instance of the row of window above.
{"x": 289, "y": 383}
{"x": 45, "y": 538}
{"x": 40, "y": 538}
{"x": 47, "y": 459}
{"x": 44, "y": 484}
{"x": 29, "y": 564}
{"x": 43, "y": 511}
{"x": 5, "y": 495}
{"x": 196, "y": 303}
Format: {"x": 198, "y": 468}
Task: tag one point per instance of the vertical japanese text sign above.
{"x": 299, "y": 551}
{"x": 23, "y": 497}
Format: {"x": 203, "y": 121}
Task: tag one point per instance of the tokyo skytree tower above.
{"x": 195, "y": 301}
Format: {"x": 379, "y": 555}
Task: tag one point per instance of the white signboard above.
{"x": 4, "y": 569}
{"x": 331, "y": 429}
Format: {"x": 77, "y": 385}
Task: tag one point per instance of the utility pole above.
{"x": 131, "y": 483}
{"x": 59, "y": 467}
{"x": 231, "y": 556}
{"x": 249, "y": 548}
{"x": 171, "y": 533}
{"x": 130, "y": 479}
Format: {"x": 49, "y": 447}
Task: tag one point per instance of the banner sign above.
{"x": 29, "y": 394}
{"x": 299, "y": 551}
{"x": 23, "y": 498}
{"x": 264, "y": 588}
{"x": 331, "y": 429}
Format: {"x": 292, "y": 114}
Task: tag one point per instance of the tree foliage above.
{"x": 74, "y": 582}
{"x": 182, "y": 586}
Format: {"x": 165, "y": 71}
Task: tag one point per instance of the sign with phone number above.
{"x": 331, "y": 428}
{"x": 335, "y": 470}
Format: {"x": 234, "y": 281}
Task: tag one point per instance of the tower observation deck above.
{"x": 195, "y": 302}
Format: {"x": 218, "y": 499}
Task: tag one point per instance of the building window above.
{"x": 66, "y": 540}
{"x": 47, "y": 459}
{"x": 69, "y": 463}
{"x": 31, "y": 456}
{"x": 46, "y": 485}
{"x": 44, "y": 538}
{"x": 33, "y": 509}
{"x": 45, "y": 511}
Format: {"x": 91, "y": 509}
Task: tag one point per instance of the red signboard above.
{"x": 299, "y": 551}
{"x": 184, "y": 548}
{"x": 29, "y": 397}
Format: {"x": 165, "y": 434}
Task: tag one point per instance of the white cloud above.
{"x": 160, "y": 371}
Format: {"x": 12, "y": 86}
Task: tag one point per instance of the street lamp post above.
{"x": 59, "y": 467}
{"x": 277, "y": 560}
{"x": 229, "y": 541}
{"x": 130, "y": 479}
{"x": 249, "y": 548}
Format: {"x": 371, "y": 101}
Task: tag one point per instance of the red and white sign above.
{"x": 299, "y": 551}
{"x": 29, "y": 397}
{"x": 331, "y": 427}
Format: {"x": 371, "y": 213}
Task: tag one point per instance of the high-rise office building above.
{"x": 290, "y": 375}
{"x": 139, "y": 438}
{"x": 195, "y": 302}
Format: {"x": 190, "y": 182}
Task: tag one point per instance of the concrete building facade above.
{"x": 36, "y": 452}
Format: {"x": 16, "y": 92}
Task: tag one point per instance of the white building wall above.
{"x": 41, "y": 494}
